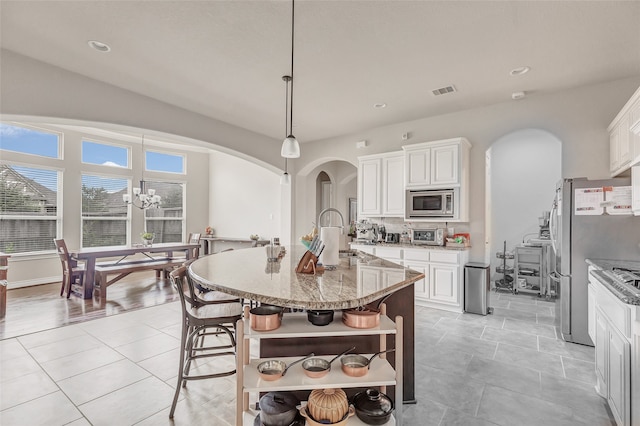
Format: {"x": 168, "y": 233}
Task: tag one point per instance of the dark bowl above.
{"x": 373, "y": 407}
{"x": 323, "y": 317}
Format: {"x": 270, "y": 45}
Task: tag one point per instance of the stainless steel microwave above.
{"x": 431, "y": 203}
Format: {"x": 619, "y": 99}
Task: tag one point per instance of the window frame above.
{"x": 60, "y": 153}
{"x": 157, "y": 151}
{"x": 127, "y": 148}
{"x": 127, "y": 218}
{"x": 182, "y": 218}
{"x": 59, "y": 202}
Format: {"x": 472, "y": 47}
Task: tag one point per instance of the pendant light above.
{"x": 285, "y": 179}
{"x": 290, "y": 145}
{"x": 142, "y": 197}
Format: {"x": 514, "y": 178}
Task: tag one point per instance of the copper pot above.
{"x": 358, "y": 365}
{"x": 361, "y": 317}
{"x": 266, "y": 317}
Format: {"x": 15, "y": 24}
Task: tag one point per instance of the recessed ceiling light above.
{"x": 519, "y": 71}
{"x": 380, "y": 105}
{"x": 99, "y": 46}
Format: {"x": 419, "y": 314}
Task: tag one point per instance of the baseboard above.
{"x": 29, "y": 283}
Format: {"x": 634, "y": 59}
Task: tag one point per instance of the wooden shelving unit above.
{"x": 382, "y": 374}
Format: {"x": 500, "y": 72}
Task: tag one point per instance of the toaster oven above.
{"x": 429, "y": 236}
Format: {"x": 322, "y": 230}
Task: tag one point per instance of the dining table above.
{"x": 359, "y": 279}
{"x": 118, "y": 254}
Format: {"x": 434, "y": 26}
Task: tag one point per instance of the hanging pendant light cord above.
{"x": 293, "y": 8}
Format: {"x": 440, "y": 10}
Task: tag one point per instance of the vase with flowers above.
{"x": 147, "y": 238}
{"x": 208, "y": 230}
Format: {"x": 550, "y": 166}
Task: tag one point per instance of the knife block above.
{"x": 309, "y": 264}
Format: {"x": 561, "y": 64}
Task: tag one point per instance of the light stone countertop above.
{"x": 248, "y": 274}
{"x": 607, "y": 264}
{"x": 411, "y": 246}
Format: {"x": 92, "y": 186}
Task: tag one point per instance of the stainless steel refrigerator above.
{"x": 576, "y": 237}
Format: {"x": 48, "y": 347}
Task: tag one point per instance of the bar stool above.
{"x": 199, "y": 318}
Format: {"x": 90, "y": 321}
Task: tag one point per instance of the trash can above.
{"x": 477, "y": 288}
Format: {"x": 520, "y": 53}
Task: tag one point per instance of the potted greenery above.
{"x": 147, "y": 238}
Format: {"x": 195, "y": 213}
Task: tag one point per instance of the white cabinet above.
{"x": 613, "y": 368}
{"x": 369, "y": 187}
{"x": 600, "y": 341}
{"x": 615, "y": 327}
{"x": 445, "y": 165}
{"x": 421, "y": 287}
{"x": 437, "y": 164}
{"x": 443, "y": 283}
{"x": 381, "y": 185}
{"x": 618, "y": 380}
{"x": 624, "y": 137}
{"x": 393, "y": 185}
{"x": 295, "y": 325}
{"x": 619, "y": 147}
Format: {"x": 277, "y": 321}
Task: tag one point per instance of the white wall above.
{"x": 245, "y": 198}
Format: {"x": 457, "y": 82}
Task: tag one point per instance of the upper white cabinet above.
{"x": 381, "y": 185}
{"x": 624, "y": 137}
{"x": 369, "y": 187}
{"x": 437, "y": 164}
{"x": 393, "y": 185}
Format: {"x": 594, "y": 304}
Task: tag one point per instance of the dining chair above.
{"x": 194, "y": 238}
{"x": 199, "y": 318}
{"x": 72, "y": 272}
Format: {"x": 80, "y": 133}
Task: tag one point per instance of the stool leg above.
{"x": 183, "y": 342}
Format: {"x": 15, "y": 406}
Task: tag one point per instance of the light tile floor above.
{"x": 505, "y": 369}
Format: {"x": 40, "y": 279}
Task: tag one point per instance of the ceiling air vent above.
{"x": 443, "y": 90}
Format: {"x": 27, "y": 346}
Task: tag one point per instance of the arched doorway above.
{"x": 522, "y": 169}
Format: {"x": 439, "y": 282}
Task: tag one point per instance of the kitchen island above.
{"x": 357, "y": 280}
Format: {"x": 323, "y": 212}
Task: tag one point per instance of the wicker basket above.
{"x": 328, "y": 405}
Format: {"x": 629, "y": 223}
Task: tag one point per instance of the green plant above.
{"x": 147, "y": 235}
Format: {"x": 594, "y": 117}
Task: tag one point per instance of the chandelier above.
{"x": 142, "y": 197}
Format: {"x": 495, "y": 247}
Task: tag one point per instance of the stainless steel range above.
{"x": 624, "y": 283}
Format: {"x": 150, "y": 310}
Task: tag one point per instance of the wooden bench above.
{"x": 122, "y": 269}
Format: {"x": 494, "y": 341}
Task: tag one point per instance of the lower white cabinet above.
{"x": 442, "y": 285}
{"x": 615, "y": 326}
{"x": 619, "y": 377}
{"x": 444, "y": 281}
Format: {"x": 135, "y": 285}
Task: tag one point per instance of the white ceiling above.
{"x": 225, "y": 59}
